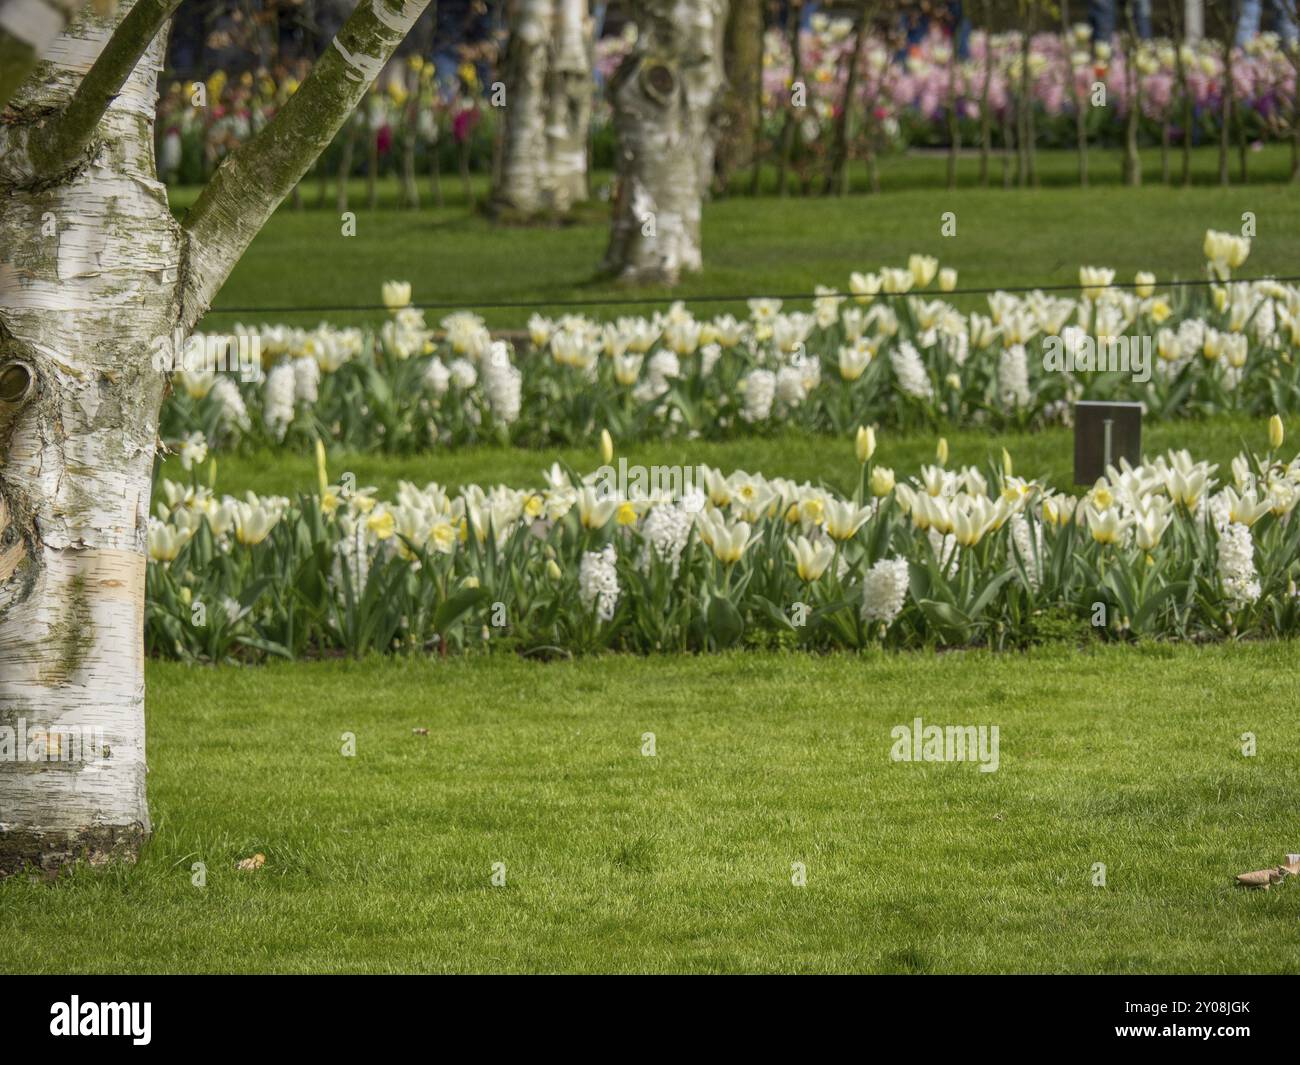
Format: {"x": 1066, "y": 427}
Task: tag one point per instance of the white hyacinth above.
{"x": 503, "y": 384}
{"x": 437, "y": 377}
{"x": 1013, "y": 378}
{"x": 910, "y": 371}
{"x": 1237, "y": 565}
{"x": 281, "y": 389}
{"x": 790, "y": 386}
{"x": 1027, "y": 546}
{"x": 234, "y": 413}
{"x": 463, "y": 374}
{"x": 598, "y": 581}
{"x": 760, "y": 391}
{"x": 306, "y": 380}
{"x": 884, "y": 590}
{"x": 666, "y": 529}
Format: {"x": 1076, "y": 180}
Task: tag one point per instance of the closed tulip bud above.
{"x": 1144, "y": 284}
{"x": 947, "y": 279}
{"x": 1006, "y": 462}
{"x": 606, "y": 447}
{"x": 865, "y": 444}
{"x": 882, "y": 481}
{"x": 1276, "y": 433}
{"x": 941, "y": 452}
{"x": 553, "y": 570}
{"x": 321, "y": 478}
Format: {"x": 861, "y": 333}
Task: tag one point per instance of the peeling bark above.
{"x": 663, "y": 95}
{"x": 27, "y": 29}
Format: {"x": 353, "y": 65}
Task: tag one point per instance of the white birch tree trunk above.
{"x": 523, "y": 186}
{"x": 663, "y": 96}
{"x": 93, "y": 270}
{"x": 569, "y": 92}
{"x": 88, "y": 277}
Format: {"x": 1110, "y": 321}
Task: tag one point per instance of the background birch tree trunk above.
{"x": 94, "y": 271}
{"x": 663, "y": 95}
{"x": 524, "y": 152}
{"x": 569, "y": 93}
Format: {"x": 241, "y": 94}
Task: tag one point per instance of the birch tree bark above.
{"x": 569, "y": 92}
{"x": 27, "y": 29}
{"x": 524, "y": 153}
{"x": 663, "y": 95}
{"x": 94, "y": 270}
{"x": 549, "y": 63}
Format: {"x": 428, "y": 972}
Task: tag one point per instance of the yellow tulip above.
{"x": 606, "y": 447}
{"x": 1276, "y": 433}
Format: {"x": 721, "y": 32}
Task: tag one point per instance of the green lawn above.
{"x": 1048, "y": 455}
{"x": 683, "y": 861}
{"x": 769, "y": 245}
{"x": 1127, "y": 756}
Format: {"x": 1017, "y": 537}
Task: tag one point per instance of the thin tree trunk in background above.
{"x": 954, "y": 127}
{"x": 372, "y": 152}
{"x": 756, "y": 172}
{"x": 345, "y": 164}
{"x": 986, "y": 119}
{"x": 789, "y": 129}
{"x": 837, "y": 180}
{"x": 1080, "y": 114}
{"x": 435, "y": 174}
{"x": 663, "y": 95}
{"x": 1023, "y": 104}
{"x": 1226, "y": 99}
{"x": 1184, "y": 91}
{"x": 743, "y": 65}
{"x": 1133, "y": 90}
{"x": 1009, "y": 144}
{"x": 467, "y": 185}
{"x": 1293, "y": 57}
{"x": 410, "y": 184}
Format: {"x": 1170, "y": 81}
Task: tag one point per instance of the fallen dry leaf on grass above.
{"x": 1261, "y": 877}
{"x": 420, "y": 731}
{"x": 250, "y": 864}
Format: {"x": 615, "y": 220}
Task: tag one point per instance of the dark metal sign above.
{"x": 1103, "y": 434}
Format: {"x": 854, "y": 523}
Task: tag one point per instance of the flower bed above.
{"x": 692, "y": 560}
{"x": 889, "y": 349}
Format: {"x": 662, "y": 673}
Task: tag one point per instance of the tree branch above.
{"x": 57, "y": 144}
{"x": 254, "y": 179}
{"x": 27, "y": 29}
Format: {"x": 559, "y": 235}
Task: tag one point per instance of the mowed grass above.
{"x": 763, "y": 246}
{"x": 1048, "y": 455}
{"x": 615, "y": 861}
